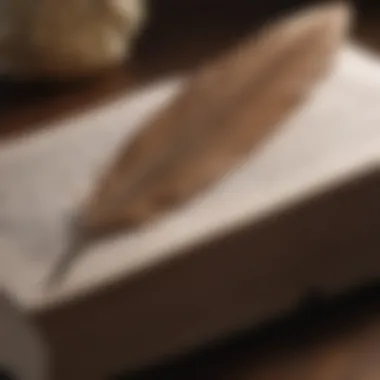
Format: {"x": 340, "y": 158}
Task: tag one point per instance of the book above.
{"x": 300, "y": 215}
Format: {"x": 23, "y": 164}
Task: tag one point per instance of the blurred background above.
{"x": 179, "y": 37}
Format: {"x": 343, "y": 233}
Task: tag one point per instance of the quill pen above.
{"x": 228, "y": 107}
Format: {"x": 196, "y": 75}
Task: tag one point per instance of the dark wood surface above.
{"x": 337, "y": 339}
{"x": 334, "y": 340}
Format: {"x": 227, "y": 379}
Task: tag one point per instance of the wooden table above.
{"x": 324, "y": 340}
{"x": 329, "y": 340}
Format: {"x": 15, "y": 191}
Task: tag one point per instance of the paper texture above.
{"x": 44, "y": 177}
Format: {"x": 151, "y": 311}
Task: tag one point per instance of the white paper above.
{"x": 45, "y": 177}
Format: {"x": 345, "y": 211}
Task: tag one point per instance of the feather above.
{"x": 228, "y": 107}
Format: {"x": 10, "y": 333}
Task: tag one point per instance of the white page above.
{"x": 45, "y": 177}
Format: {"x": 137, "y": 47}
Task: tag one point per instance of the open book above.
{"x": 301, "y": 214}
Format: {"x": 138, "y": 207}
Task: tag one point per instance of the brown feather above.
{"x": 228, "y": 108}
